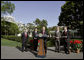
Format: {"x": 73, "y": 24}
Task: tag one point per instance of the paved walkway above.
{"x": 15, "y": 53}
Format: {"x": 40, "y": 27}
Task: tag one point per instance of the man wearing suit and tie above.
{"x": 57, "y": 39}
{"x": 24, "y": 39}
{"x": 35, "y": 33}
{"x": 66, "y": 39}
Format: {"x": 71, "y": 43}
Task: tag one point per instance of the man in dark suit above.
{"x": 57, "y": 39}
{"x": 24, "y": 39}
{"x": 66, "y": 38}
{"x": 44, "y": 32}
{"x": 35, "y": 33}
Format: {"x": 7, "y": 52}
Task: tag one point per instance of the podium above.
{"x": 41, "y": 49}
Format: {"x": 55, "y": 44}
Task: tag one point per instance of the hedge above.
{"x": 12, "y": 37}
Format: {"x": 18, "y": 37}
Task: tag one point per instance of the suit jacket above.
{"x": 66, "y": 34}
{"x": 24, "y": 39}
{"x": 45, "y": 34}
{"x": 35, "y": 35}
{"x": 57, "y": 34}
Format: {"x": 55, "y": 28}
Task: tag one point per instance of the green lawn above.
{"x": 5, "y": 42}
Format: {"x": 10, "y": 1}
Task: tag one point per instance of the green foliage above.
{"x": 44, "y": 23}
{"x": 72, "y": 15}
{"x": 76, "y": 44}
{"x": 7, "y": 7}
{"x": 37, "y": 22}
{"x": 15, "y": 38}
{"x": 52, "y": 28}
{"x": 50, "y": 42}
{"x": 9, "y": 28}
{"x": 30, "y": 26}
{"x": 31, "y": 42}
{"x": 12, "y": 37}
{"x": 14, "y": 28}
{"x": 40, "y": 23}
{"x": 30, "y": 38}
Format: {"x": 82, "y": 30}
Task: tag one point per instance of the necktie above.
{"x": 43, "y": 32}
{"x": 26, "y": 35}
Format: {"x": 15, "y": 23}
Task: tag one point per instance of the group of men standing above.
{"x": 58, "y": 35}
{"x": 35, "y": 42}
{"x": 65, "y": 36}
{"x": 35, "y": 33}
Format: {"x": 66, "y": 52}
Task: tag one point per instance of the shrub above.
{"x": 49, "y": 44}
{"x": 11, "y": 28}
{"x": 31, "y": 43}
{"x": 12, "y": 37}
{"x": 15, "y": 38}
{"x": 76, "y": 44}
{"x": 52, "y": 41}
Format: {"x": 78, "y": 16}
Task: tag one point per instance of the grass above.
{"x": 6, "y": 42}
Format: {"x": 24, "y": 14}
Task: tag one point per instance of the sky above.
{"x": 27, "y": 11}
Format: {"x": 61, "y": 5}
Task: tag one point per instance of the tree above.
{"x": 3, "y": 24}
{"x": 14, "y": 28}
{"x": 30, "y": 26}
{"x": 40, "y": 23}
{"x": 44, "y": 22}
{"x": 72, "y": 15}
{"x": 7, "y": 7}
{"x": 37, "y": 22}
{"x": 9, "y": 28}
